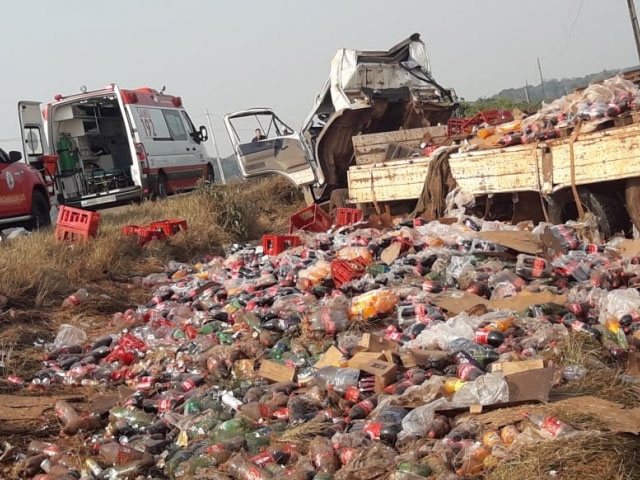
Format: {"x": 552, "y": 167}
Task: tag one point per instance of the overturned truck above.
{"x": 381, "y": 131}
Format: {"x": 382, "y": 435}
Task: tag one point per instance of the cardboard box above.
{"x": 275, "y": 372}
{"x": 376, "y": 343}
{"x": 384, "y": 372}
{"x": 362, "y": 359}
{"x": 332, "y": 357}
{"x": 509, "y": 368}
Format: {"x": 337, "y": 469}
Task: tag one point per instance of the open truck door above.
{"x": 263, "y": 144}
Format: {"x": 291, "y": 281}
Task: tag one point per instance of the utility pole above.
{"x": 215, "y": 145}
{"x": 526, "y": 90}
{"x": 544, "y": 94}
{"x": 634, "y": 25}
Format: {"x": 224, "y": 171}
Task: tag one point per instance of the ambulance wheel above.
{"x": 162, "y": 188}
{"x": 40, "y": 210}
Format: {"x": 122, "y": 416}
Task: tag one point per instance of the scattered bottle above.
{"x": 551, "y": 425}
{"x": 80, "y": 296}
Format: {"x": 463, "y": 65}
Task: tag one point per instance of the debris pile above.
{"x": 428, "y": 358}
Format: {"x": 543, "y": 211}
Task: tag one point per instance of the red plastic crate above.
{"x": 170, "y": 227}
{"x": 144, "y": 234}
{"x": 311, "y": 219}
{"x": 78, "y": 219}
{"x": 348, "y": 216}
{"x": 276, "y": 244}
{"x": 344, "y": 271}
{"x": 71, "y": 235}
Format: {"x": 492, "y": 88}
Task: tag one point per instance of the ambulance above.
{"x": 114, "y": 146}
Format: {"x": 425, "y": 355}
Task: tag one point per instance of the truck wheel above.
{"x": 162, "y": 186}
{"x": 610, "y": 213}
{"x": 40, "y": 210}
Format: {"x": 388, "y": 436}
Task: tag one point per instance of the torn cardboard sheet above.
{"x": 612, "y": 416}
{"x": 457, "y": 302}
{"x": 629, "y": 248}
{"x": 520, "y": 241}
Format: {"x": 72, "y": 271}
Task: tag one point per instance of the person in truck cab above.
{"x": 259, "y": 136}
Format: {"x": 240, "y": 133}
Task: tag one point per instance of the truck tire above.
{"x": 40, "y": 210}
{"x": 610, "y": 213}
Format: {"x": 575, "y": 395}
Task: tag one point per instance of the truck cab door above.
{"x": 263, "y": 144}
{"x": 34, "y": 138}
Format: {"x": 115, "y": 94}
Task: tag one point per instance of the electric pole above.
{"x": 634, "y": 25}
{"x": 215, "y": 145}
{"x": 544, "y": 94}
{"x": 526, "y": 90}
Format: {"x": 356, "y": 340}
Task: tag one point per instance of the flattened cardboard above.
{"x": 457, "y": 302}
{"x": 612, "y": 416}
{"x": 375, "y": 343}
{"x": 332, "y": 357}
{"x": 524, "y": 387}
{"x": 629, "y": 248}
{"x": 362, "y": 359}
{"x": 384, "y": 372}
{"x": 530, "y": 385}
{"x": 520, "y": 241}
{"x": 275, "y": 372}
{"x": 509, "y": 368}
{"x": 390, "y": 253}
{"x": 525, "y": 299}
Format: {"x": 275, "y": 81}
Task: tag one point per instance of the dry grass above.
{"x": 36, "y": 271}
{"x": 604, "y": 376}
{"x": 303, "y": 433}
{"x": 593, "y": 457}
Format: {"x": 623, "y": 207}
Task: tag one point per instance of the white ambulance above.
{"x": 114, "y": 146}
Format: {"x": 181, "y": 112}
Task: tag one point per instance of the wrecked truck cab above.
{"x": 367, "y": 92}
{"x": 281, "y": 150}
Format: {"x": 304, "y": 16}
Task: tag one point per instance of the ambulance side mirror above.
{"x": 203, "y": 134}
{"x": 200, "y": 135}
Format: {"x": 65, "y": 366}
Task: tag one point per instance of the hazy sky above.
{"x": 230, "y": 55}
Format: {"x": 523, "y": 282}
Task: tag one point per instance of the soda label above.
{"x": 551, "y": 425}
{"x": 482, "y": 336}
{"x": 347, "y": 454}
{"x": 253, "y": 474}
{"x": 352, "y": 394}
{"x": 373, "y": 430}
{"x": 464, "y": 370}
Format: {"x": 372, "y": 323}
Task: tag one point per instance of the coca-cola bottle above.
{"x": 323, "y": 456}
{"x": 363, "y": 409}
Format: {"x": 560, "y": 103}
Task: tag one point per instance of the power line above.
{"x": 573, "y": 26}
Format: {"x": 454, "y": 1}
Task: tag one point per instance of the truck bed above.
{"x": 599, "y": 156}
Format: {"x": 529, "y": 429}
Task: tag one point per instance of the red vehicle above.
{"x": 24, "y": 200}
